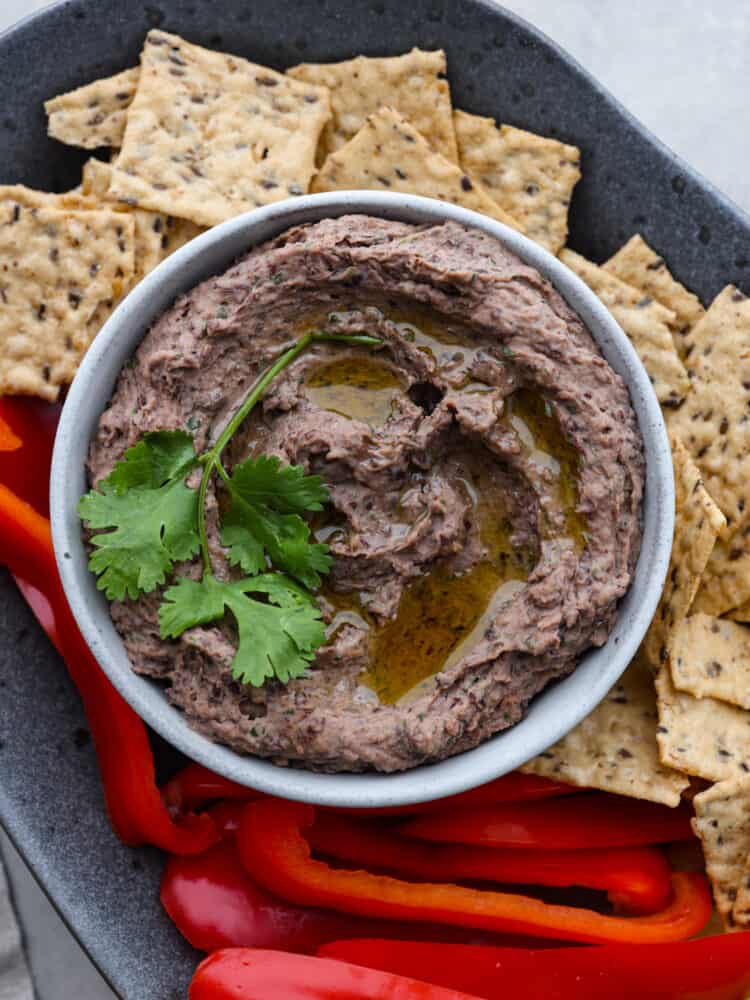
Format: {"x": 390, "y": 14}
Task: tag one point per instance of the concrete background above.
{"x": 681, "y": 66}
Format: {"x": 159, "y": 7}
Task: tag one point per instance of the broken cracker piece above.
{"x": 56, "y": 267}
{"x": 702, "y": 737}
{"x": 713, "y": 422}
{"x": 389, "y": 154}
{"x": 157, "y": 235}
{"x": 647, "y": 324}
{"x": 698, "y": 522}
{"x": 210, "y": 135}
{"x": 93, "y": 115}
{"x": 640, "y": 266}
{"x": 614, "y": 748}
{"x": 530, "y": 176}
{"x": 725, "y": 585}
{"x": 722, "y": 822}
{"x": 710, "y": 657}
{"x": 415, "y": 83}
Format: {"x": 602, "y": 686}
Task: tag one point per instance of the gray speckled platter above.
{"x": 50, "y": 799}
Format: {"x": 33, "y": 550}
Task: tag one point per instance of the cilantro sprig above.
{"x": 156, "y": 520}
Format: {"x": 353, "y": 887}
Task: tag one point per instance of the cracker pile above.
{"x": 196, "y": 137}
{"x": 685, "y": 703}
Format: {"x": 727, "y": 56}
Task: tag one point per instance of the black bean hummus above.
{"x": 485, "y": 471}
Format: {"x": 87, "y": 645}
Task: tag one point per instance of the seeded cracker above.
{"x": 740, "y": 614}
{"x": 640, "y": 266}
{"x": 741, "y": 912}
{"x": 647, "y": 324}
{"x": 615, "y": 748}
{"x": 56, "y": 267}
{"x": 714, "y": 422}
{"x": 211, "y": 135}
{"x": 698, "y": 522}
{"x": 416, "y": 84}
{"x": 710, "y": 657}
{"x": 93, "y": 115}
{"x": 156, "y": 235}
{"x": 529, "y": 176}
{"x": 722, "y": 821}
{"x": 389, "y": 154}
{"x": 701, "y": 736}
{"x": 726, "y": 582}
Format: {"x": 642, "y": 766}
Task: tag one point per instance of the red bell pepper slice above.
{"x": 8, "y": 440}
{"x": 215, "y": 904}
{"x": 25, "y": 469}
{"x": 195, "y": 786}
{"x": 592, "y": 820}
{"x": 274, "y": 851}
{"x": 254, "y": 974}
{"x": 637, "y": 879}
{"x": 126, "y": 762}
{"x": 513, "y": 787}
{"x": 711, "y": 968}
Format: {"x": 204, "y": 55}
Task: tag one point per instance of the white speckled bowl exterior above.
{"x": 552, "y": 714}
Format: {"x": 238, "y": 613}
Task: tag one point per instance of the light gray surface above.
{"x": 682, "y": 68}
{"x": 15, "y": 983}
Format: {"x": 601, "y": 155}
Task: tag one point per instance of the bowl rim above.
{"x": 552, "y": 713}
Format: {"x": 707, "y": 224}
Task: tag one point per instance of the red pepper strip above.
{"x": 226, "y": 815}
{"x": 712, "y": 968}
{"x": 215, "y": 904}
{"x": 637, "y": 879}
{"x": 126, "y": 763}
{"x": 596, "y": 820}
{"x": 25, "y": 470}
{"x": 195, "y": 786}
{"x": 275, "y": 853}
{"x": 249, "y": 974}
{"x": 8, "y": 440}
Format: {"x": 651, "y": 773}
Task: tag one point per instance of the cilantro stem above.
{"x": 211, "y": 459}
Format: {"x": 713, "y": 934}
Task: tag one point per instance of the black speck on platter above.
{"x": 498, "y": 67}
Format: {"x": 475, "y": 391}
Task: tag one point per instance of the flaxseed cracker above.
{"x": 726, "y": 582}
{"x": 56, "y": 267}
{"x": 615, "y": 747}
{"x": 710, "y": 657}
{"x": 93, "y": 115}
{"x": 698, "y": 522}
{"x": 702, "y": 737}
{"x": 722, "y": 822}
{"x": 157, "y": 235}
{"x": 211, "y": 135}
{"x": 647, "y": 324}
{"x": 530, "y": 176}
{"x": 741, "y": 911}
{"x": 714, "y": 422}
{"x": 416, "y": 84}
{"x": 741, "y": 613}
{"x": 640, "y": 266}
{"x": 389, "y": 154}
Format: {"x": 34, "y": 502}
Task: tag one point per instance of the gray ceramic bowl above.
{"x": 551, "y": 714}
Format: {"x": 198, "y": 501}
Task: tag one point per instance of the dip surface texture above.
{"x": 485, "y": 470}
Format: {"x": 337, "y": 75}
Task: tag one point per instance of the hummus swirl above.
{"x": 486, "y": 457}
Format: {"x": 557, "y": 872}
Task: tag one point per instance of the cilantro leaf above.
{"x": 261, "y": 523}
{"x": 283, "y": 488}
{"x": 153, "y": 513}
{"x": 156, "y": 458}
{"x": 276, "y": 639}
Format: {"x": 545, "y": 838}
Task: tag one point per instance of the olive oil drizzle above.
{"x": 443, "y": 614}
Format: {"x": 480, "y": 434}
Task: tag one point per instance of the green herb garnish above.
{"x": 158, "y": 520}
